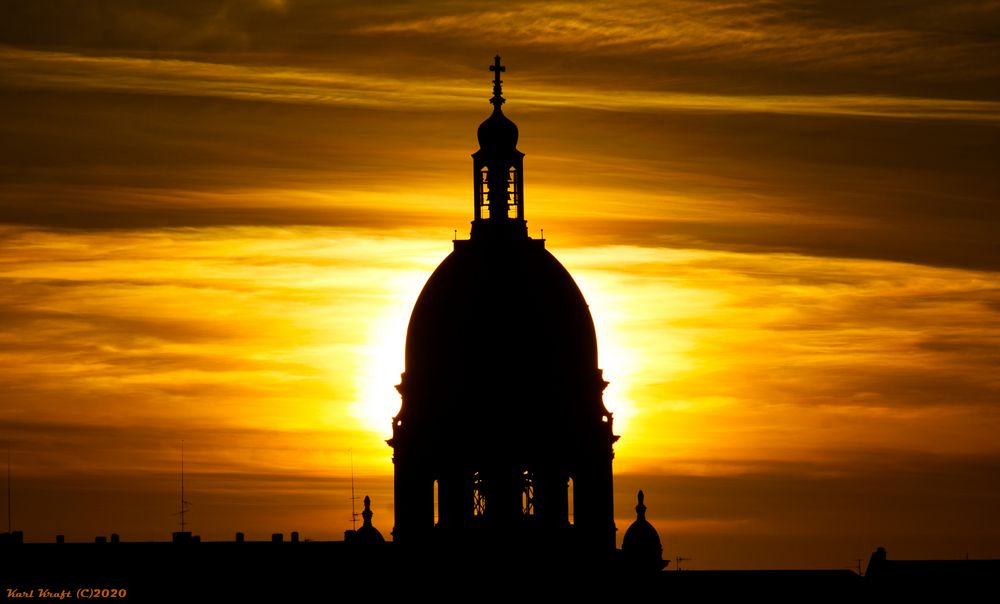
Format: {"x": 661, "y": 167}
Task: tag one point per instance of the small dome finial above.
{"x": 367, "y": 514}
{"x": 497, "y": 68}
{"x": 640, "y": 510}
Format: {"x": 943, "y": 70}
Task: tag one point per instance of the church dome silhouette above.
{"x": 509, "y": 316}
{"x": 502, "y": 435}
{"x": 368, "y": 534}
{"x": 641, "y": 545}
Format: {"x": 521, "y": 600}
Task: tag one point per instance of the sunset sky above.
{"x": 215, "y": 217}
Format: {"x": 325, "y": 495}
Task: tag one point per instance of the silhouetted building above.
{"x": 961, "y": 577}
{"x": 502, "y": 422}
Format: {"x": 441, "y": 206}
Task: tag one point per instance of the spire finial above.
{"x": 367, "y": 514}
{"x": 497, "y": 68}
{"x": 640, "y": 510}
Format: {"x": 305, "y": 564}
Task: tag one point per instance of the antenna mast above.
{"x": 10, "y": 495}
{"x": 184, "y": 503}
{"x": 354, "y": 513}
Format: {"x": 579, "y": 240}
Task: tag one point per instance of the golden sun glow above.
{"x": 383, "y": 354}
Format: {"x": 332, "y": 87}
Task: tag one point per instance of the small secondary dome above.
{"x": 367, "y": 534}
{"x": 641, "y": 545}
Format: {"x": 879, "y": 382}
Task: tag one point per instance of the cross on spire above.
{"x": 497, "y": 69}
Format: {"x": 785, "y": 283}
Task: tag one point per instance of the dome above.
{"x": 368, "y": 533}
{"x": 497, "y": 134}
{"x": 641, "y": 545}
{"x": 500, "y": 327}
{"x": 513, "y": 309}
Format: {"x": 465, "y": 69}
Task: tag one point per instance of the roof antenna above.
{"x": 185, "y": 505}
{"x": 354, "y": 513}
{"x": 10, "y": 495}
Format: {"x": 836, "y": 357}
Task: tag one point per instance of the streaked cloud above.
{"x": 59, "y": 70}
{"x": 215, "y": 217}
